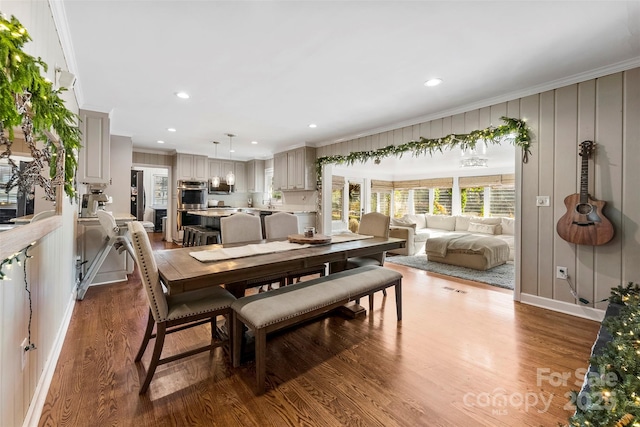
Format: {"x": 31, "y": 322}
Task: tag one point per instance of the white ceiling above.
{"x": 265, "y": 70}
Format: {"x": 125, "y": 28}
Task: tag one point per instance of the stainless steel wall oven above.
{"x": 192, "y": 195}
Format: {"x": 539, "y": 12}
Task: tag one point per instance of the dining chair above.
{"x": 279, "y": 226}
{"x": 172, "y": 313}
{"x": 377, "y": 225}
{"x": 241, "y": 227}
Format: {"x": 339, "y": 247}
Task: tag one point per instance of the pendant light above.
{"x": 215, "y": 180}
{"x": 231, "y": 178}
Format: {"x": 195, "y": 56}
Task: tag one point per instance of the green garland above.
{"x": 514, "y": 130}
{"x": 21, "y": 78}
{"x": 613, "y": 398}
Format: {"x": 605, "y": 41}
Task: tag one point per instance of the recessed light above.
{"x": 313, "y": 125}
{"x": 160, "y": 142}
{"x": 232, "y": 151}
{"x": 254, "y": 142}
{"x": 171, "y": 129}
{"x": 183, "y": 95}
{"x": 433, "y": 82}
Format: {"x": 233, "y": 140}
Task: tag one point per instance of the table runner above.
{"x": 220, "y": 254}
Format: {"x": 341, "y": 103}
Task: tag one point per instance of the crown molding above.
{"x": 510, "y": 96}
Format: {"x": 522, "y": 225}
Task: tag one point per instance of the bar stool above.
{"x": 188, "y": 238}
{"x": 203, "y": 235}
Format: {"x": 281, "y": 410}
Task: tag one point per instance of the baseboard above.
{"x": 42, "y": 388}
{"x": 563, "y": 307}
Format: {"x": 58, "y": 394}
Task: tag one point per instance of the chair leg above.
{"x": 157, "y": 351}
{"x": 371, "y": 302}
{"x": 384, "y": 292}
{"x": 146, "y": 338}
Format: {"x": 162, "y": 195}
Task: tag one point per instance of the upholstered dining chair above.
{"x": 172, "y": 313}
{"x": 241, "y": 227}
{"x": 280, "y": 225}
{"x": 377, "y": 225}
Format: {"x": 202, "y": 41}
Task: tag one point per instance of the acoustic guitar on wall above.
{"x": 584, "y": 223}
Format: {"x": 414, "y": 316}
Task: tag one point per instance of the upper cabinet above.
{"x": 295, "y": 169}
{"x": 241, "y": 177}
{"x": 255, "y": 176}
{"x": 191, "y": 167}
{"x": 94, "y": 160}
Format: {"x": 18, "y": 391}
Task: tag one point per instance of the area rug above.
{"x": 502, "y": 276}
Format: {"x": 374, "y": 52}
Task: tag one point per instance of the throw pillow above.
{"x": 476, "y": 227}
{"x": 508, "y": 226}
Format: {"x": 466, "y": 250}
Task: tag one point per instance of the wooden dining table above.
{"x": 181, "y": 272}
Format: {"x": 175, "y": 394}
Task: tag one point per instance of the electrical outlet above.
{"x": 23, "y": 352}
{"x": 562, "y": 272}
{"x": 542, "y": 200}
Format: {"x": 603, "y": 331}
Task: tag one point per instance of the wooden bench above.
{"x": 283, "y": 307}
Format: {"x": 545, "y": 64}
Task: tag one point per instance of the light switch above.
{"x": 542, "y": 200}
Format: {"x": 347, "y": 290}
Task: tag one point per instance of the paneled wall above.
{"x": 604, "y": 110}
{"x": 51, "y": 271}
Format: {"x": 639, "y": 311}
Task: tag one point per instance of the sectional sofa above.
{"x": 417, "y": 229}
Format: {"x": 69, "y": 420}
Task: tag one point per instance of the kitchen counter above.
{"x": 119, "y": 217}
{"x": 213, "y": 212}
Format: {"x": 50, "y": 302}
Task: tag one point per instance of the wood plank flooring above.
{"x": 465, "y": 354}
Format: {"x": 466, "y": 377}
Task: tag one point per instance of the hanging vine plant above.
{"x": 514, "y": 131}
{"x": 29, "y": 101}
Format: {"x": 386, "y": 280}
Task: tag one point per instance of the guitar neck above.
{"x": 584, "y": 180}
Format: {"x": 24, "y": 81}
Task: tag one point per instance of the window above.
{"x": 160, "y": 190}
{"x": 268, "y": 187}
{"x": 502, "y": 201}
{"x": 381, "y": 202}
{"x": 442, "y": 201}
{"x": 472, "y": 201}
{"x": 400, "y": 202}
{"x": 421, "y": 200}
{"x": 336, "y": 204}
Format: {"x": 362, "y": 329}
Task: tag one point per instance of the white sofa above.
{"x": 416, "y": 229}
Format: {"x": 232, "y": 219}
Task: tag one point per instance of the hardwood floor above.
{"x": 465, "y": 354}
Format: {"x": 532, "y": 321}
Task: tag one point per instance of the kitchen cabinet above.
{"x": 94, "y": 159}
{"x": 191, "y": 167}
{"x": 255, "y": 176}
{"x": 280, "y": 168}
{"x": 305, "y": 219}
{"x": 295, "y": 169}
{"x": 241, "y": 177}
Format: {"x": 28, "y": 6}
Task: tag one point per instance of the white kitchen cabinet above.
{"x": 255, "y": 176}
{"x": 191, "y": 167}
{"x": 215, "y": 168}
{"x": 94, "y": 159}
{"x": 295, "y": 169}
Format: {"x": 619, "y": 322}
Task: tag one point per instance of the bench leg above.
{"x": 399, "y": 299}
{"x": 260, "y": 348}
{"x": 371, "y": 302}
{"x": 237, "y": 329}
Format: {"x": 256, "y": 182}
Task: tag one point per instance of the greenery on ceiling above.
{"x": 514, "y": 131}
{"x": 29, "y": 101}
{"x": 613, "y": 395}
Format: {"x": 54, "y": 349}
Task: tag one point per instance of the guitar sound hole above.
{"x": 584, "y": 208}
